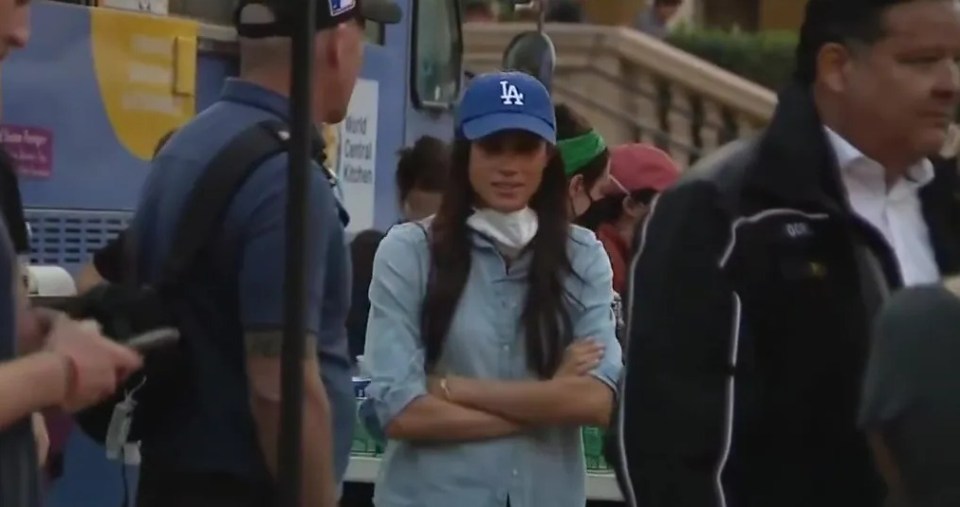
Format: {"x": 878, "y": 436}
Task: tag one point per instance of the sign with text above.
{"x": 31, "y": 149}
{"x": 140, "y": 62}
{"x": 356, "y": 158}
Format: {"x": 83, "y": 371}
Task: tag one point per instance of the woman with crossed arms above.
{"x": 491, "y": 338}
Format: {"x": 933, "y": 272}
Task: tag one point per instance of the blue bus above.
{"x": 82, "y": 108}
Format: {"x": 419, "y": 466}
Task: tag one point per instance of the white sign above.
{"x": 357, "y": 157}
{"x": 152, "y": 6}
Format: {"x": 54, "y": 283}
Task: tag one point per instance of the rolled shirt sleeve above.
{"x": 596, "y": 318}
{"x": 394, "y": 354}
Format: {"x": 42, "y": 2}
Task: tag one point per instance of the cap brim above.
{"x": 385, "y": 12}
{"x": 484, "y": 126}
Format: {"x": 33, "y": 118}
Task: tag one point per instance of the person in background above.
{"x": 11, "y": 205}
{"x": 421, "y": 177}
{"x": 910, "y": 406}
{"x": 586, "y": 163}
{"x": 363, "y": 248}
{"x": 585, "y": 157}
{"x": 761, "y": 272}
{"x": 638, "y": 173}
{"x": 479, "y": 11}
{"x": 26, "y": 317}
{"x": 422, "y": 173}
{"x": 490, "y": 340}
{"x": 655, "y": 19}
{"x": 107, "y": 264}
{"x": 46, "y": 360}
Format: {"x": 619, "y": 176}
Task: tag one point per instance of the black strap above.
{"x": 11, "y": 204}
{"x": 214, "y": 191}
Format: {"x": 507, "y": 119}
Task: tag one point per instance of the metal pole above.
{"x": 294, "y": 330}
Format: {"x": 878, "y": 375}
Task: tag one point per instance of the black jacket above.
{"x": 752, "y": 293}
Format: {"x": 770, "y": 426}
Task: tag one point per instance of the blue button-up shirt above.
{"x": 543, "y": 467}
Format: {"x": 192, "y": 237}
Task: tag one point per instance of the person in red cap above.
{"x": 638, "y": 172}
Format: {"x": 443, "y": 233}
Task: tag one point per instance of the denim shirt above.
{"x": 542, "y": 467}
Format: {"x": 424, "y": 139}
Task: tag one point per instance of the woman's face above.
{"x": 506, "y": 169}
{"x": 581, "y": 197}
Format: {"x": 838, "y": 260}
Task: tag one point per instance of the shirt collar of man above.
{"x": 853, "y": 163}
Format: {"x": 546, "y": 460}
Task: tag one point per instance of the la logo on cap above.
{"x": 509, "y": 94}
{"x": 338, "y": 7}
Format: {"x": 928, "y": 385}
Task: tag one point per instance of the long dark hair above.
{"x": 545, "y": 317}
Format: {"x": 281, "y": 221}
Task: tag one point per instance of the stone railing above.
{"x": 636, "y": 88}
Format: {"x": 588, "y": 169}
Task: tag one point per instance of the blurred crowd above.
{"x": 654, "y": 19}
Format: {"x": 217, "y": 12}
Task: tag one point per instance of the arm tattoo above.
{"x": 268, "y": 344}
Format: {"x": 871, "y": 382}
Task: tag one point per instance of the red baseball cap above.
{"x": 639, "y": 167}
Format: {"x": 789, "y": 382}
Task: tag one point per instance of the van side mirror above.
{"x": 534, "y": 54}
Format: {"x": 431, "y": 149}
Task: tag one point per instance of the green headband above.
{"x": 579, "y": 151}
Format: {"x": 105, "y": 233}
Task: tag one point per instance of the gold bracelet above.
{"x": 445, "y": 388}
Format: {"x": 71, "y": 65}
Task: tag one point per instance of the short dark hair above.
{"x": 667, "y": 3}
{"x": 838, "y": 21}
{"x": 423, "y": 166}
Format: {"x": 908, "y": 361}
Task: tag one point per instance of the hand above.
{"x": 580, "y": 358}
{"x": 93, "y": 365}
{"x": 33, "y": 325}
{"x": 41, "y": 438}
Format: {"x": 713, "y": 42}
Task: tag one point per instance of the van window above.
{"x": 438, "y": 46}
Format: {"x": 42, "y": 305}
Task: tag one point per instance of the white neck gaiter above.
{"x": 512, "y": 232}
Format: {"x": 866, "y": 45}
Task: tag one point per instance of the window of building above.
{"x": 437, "y": 56}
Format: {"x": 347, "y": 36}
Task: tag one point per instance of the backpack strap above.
{"x": 214, "y": 190}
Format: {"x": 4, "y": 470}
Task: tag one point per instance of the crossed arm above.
{"x": 412, "y": 406}
{"x": 562, "y": 400}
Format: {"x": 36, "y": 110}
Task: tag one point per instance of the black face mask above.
{"x": 573, "y": 207}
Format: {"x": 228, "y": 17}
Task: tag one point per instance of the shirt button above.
{"x": 515, "y": 473}
{"x": 506, "y": 348}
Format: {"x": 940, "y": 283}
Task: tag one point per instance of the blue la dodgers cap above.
{"x": 501, "y": 101}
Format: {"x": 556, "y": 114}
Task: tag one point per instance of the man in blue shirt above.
{"x": 221, "y": 445}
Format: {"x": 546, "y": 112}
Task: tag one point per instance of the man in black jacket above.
{"x": 758, "y": 275}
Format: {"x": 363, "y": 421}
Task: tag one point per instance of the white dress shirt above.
{"x": 895, "y": 212}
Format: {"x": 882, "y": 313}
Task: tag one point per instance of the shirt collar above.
{"x": 251, "y": 94}
{"x": 850, "y": 160}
